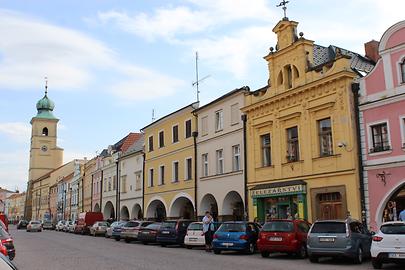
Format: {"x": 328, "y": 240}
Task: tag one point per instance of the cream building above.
{"x": 220, "y": 157}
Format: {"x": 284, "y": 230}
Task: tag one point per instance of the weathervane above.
{"x": 284, "y": 6}
{"x": 46, "y": 86}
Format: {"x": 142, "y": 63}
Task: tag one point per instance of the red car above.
{"x": 6, "y": 244}
{"x": 283, "y": 235}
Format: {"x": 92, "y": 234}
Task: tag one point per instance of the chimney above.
{"x": 371, "y": 49}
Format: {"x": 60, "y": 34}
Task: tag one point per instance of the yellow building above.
{"x": 169, "y": 181}
{"x": 301, "y": 132}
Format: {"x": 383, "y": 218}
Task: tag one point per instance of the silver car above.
{"x": 34, "y": 226}
{"x": 338, "y": 238}
{"x": 99, "y": 228}
{"x": 131, "y": 229}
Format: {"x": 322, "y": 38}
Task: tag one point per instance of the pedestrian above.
{"x": 207, "y": 230}
{"x": 402, "y": 215}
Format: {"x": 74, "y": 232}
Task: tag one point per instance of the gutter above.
{"x": 245, "y": 176}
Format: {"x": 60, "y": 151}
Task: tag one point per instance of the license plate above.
{"x": 227, "y": 244}
{"x": 192, "y": 239}
{"x": 165, "y": 232}
{"x": 275, "y": 239}
{"x": 326, "y": 239}
{"x": 396, "y": 255}
{"x": 145, "y": 232}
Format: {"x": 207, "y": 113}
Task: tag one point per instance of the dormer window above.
{"x": 45, "y": 131}
{"x": 403, "y": 71}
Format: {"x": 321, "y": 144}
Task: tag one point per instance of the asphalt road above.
{"x": 63, "y": 251}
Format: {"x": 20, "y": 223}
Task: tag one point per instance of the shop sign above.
{"x": 287, "y": 190}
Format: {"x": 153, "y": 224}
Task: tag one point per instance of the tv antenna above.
{"x": 153, "y": 115}
{"x": 197, "y": 81}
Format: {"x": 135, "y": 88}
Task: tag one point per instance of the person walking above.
{"x": 402, "y": 215}
{"x": 207, "y": 230}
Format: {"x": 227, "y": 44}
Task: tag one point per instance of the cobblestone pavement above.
{"x": 58, "y": 250}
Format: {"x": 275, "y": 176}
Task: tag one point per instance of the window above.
{"x": 292, "y": 144}
{"x": 235, "y": 116}
{"x": 137, "y": 181}
{"x": 188, "y": 168}
{"x": 151, "y": 177}
{"x": 379, "y": 136}
{"x": 266, "y": 150}
{"x": 161, "y": 139}
{"x": 124, "y": 184}
{"x": 220, "y": 161}
{"x": 188, "y": 128}
{"x": 219, "y": 120}
{"x": 175, "y": 177}
{"x": 403, "y": 71}
{"x": 114, "y": 181}
{"x": 45, "y": 131}
{"x": 161, "y": 175}
{"x": 150, "y": 143}
{"x": 205, "y": 164}
{"x": 289, "y": 76}
{"x": 325, "y": 137}
{"x": 175, "y": 134}
{"x": 236, "y": 158}
{"x": 109, "y": 184}
{"x": 204, "y": 125}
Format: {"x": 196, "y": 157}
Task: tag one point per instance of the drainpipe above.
{"x": 355, "y": 90}
{"x": 195, "y": 134}
{"x": 101, "y": 191}
{"x": 245, "y": 176}
{"x": 117, "y": 194}
{"x": 143, "y": 184}
{"x": 91, "y": 194}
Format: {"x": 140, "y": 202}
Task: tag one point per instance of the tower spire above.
{"x": 46, "y": 86}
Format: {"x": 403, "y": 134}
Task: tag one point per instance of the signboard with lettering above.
{"x": 278, "y": 191}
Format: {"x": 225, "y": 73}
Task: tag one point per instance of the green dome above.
{"x": 45, "y": 107}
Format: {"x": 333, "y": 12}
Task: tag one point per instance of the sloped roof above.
{"x": 136, "y": 146}
{"x": 130, "y": 140}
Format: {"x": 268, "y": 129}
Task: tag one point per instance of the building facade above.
{"x": 302, "y": 148}
{"x": 220, "y": 157}
{"x": 15, "y": 203}
{"x": 169, "y": 181}
{"x": 382, "y": 118}
{"x": 85, "y": 204}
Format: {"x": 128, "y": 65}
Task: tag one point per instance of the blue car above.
{"x": 236, "y": 236}
{"x": 116, "y": 229}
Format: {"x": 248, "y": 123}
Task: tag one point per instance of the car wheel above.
{"x": 127, "y": 240}
{"x": 302, "y": 253}
{"x": 217, "y": 251}
{"x": 313, "y": 259}
{"x": 359, "y": 256}
{"x": 376, "y": 264}
{"x": 117, "y": 239}
{"x": 265, "y": 254}
{"x": 189, "y": 247}
{"x": 144, "y": 242}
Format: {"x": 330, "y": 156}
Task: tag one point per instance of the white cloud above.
{"x": 33, "y": 49}
{"x": 16, "y": 131}
{"x": 17, "y": 163}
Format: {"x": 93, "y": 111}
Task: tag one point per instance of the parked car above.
{"x": 34, "y": 226}
{"x": 195, "y": 235}
{"x": 237, "y": 236}
{"x": 99, "y": 228}
{"x": 86, "y": 220}
{"x": 338, "y": 238}
{"x": 6, "y": 244}
{"x": 6, "y": 264}
{"x": 22, "y": 224}
{"x": 148, "y": 234}
{"x": 3, "y": 226}
{"x": 59, "y": 226}
{"x": 72, "y": 226}
{"x": 47, "y": 225}
{"x": 283, "y": 235}
{"x": 67, "y": 225}
{"x": 130, "y": 231}
{"x": 115, "y": 225}
{"x": 4, "y": 219}
{"x": 173, "y": 232}
{"x": 388, "y": 244}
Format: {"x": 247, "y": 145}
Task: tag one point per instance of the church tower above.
{"x": 45, "y": 155}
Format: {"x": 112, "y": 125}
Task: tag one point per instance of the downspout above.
{"x": 355, "y": 90}
{"x": 117, "y": 194}
{"x": 143, "y": 184}
{"x": 84, "y": 175}
{"x": 195, "y": 134}
{"x": 245, "y": 176}
{"x": 101, "y": 191}
{"x": 91, "y": 194}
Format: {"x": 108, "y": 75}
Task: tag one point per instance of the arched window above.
{"x": 288, "y": 71}
{"x": 403, "y": 70}
{"x": 45, "y": 131}
{"x": 280, "y": 78}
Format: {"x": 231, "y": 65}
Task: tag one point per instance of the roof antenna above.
{"x": 153, "y": 115}
{"x": 197, "y": 81}
{"x": 284, "y": 7}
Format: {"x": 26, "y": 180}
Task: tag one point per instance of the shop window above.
{"x": 205, "y": 164}
{"x": 188, "y": 128}
{"x": 395, "y": 205}
{"x": 219, "y": 120}
{"x": 175, "y": 133}
{"x": 402, "y": 65}
{"x": 266, "y": 150}
{"x": 292, "y": 145}
{"x": 161, "y": 139}
{"x": 379, "y": 138}
{"x": 325, "y": 137}
{"x": 220, "y": 161}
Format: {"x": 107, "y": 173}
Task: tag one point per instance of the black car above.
{"x": 173, "y": 232}
{"x": 22, "y": 224}
{"x": 148, "y": 234}
{"x": 7, "y": 242}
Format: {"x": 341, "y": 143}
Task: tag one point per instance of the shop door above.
{"x": 331, "y": 210}
{"x": 283, "y": 210}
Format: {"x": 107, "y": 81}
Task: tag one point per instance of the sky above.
{"x": 110, "y": 63}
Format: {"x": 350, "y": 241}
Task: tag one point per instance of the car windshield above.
{"x": 195, "y": 227}
{"x": 278, "y": 226}
{"x": 102, "y": 224}
{"x": 329, "y": 227}
{"x": 393, "y": 229}
{"x": 232, "y": 227}
{"x": 154, "y": 226}
{"x": 35, "y": 222}
{"x": 169, "y": 225}
{"x": 132, "y": 224}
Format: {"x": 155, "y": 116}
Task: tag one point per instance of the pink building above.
{"x": 382, "y": 129}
